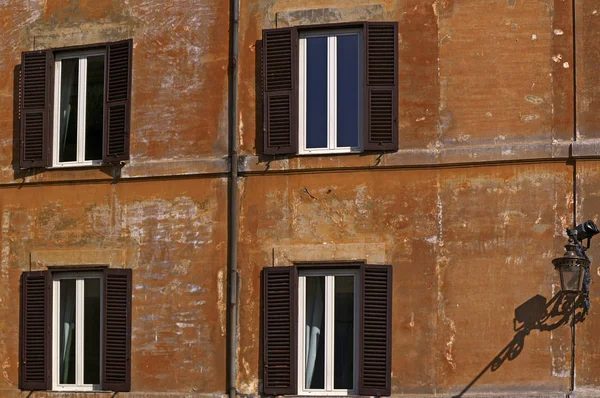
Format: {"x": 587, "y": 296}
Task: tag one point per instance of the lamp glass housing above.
{"x": 571, "y": 278}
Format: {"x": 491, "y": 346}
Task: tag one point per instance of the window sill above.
{"x": 78, "y": 165}
{"x": 326, "y": 396}
{"x": 75, "y": 391}
{"x": 326, "y": 152}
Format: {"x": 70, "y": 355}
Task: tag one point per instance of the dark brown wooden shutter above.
{"x": 280, "y": 91}
{"x": 36, "y": 327}
{"x": 36, "y": 76}
{"x": 116, "y": 355}
{"x": 375, "y": 339}
{"x": 117, "y": 101}
{"x": 279, "y": 330}
{"x": 381, "y": 100}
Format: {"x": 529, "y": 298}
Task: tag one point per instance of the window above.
{"x": 76, "y": 325}
{"x": 330, "y": 92}
{"x": 75, "y": 330}
{"x": 79, "y": 108}
{"x": 75, "y": 105}
{"x": 327, "y": 330}
{"x": 330, "y": 89}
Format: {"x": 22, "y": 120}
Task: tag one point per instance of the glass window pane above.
{"x": 91, "y": 332}
{"x": 348, "y": 110}
{"x": 315, "y": 332}
{"x": 343, "y": 357}
{"x": 316, "y": 92}
{"x": 69, "y": 82}
{"x": 94, "y": 112}
{"x": 67, "y": 332}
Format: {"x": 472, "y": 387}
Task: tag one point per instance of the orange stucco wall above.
{"x": 497, "y": 154}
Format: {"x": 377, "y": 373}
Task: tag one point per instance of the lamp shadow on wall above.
{"x": 535, "y": 314}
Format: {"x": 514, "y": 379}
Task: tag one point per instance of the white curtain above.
{"x": 314, "y": 323}
{"x": 68, "y": 329}
{"x": 69, "y": 73}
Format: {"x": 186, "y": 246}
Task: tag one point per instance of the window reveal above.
{"x": 328, "y": 331}
{"x": 78, "y": 118}
{"x": 76, "y": 325}
{"x": 330, "y": 92}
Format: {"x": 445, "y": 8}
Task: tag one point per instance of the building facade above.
{"x": 260, "y": 180}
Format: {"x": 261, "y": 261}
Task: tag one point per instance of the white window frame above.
{"x": 81, "y": 107}
{"x": 79, "y": 328}
{"x": 329, "y": 317}
{"x": 331, "y": 91}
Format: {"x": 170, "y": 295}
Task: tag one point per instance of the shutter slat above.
{"x": 381, "y": 87}
{"x": 116, "y": 364}
{"x": 35, "y": 81}
{"x": 117, "y": 108}
{"x": 280, "y": 71}
{"x": 279, "y": 330}
{"x": 375, "y": 330}
{"x": 35, "y": 323}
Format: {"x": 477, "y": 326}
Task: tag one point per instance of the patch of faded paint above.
{"x": 462, "y": 137}
{"x": 530, "y": 117}
{"x": 441, "y": 264}
{"x": 248, "y": 384}
{"x": 5, "y": 367}
{"x": 508, "y": 215}
{"x": 534, "y": 99}
{"x": 221, "y": 301}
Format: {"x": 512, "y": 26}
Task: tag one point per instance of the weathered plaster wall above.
{"x": 473, "y": 76}
{"x": 171, "y": 233}
{"x": 468, "y": 246}
{"x": 484, "y": 81}
{"x": 179, "y": 99}
{"x": 588, "y": 207}
{"x": 588, "y": 95}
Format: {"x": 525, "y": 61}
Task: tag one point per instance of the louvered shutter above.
{"x": 116, "y": 355}
{"x": 36, "y": 76}
{"x": 280, "y": 91}
{"x": 279, "y": 330}
{"x": 36, "y": 323}
{"x": 375, "y": 339}
{"x": 381, "y": 90}
{"x": 117, "y": 101}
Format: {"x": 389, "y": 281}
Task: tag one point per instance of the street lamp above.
{"x": 575, "y": 278}
{"x": 574, "y": 264}
{"x": 571, "y": 268}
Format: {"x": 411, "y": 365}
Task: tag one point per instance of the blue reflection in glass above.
{"x": 316, "y": 92}
{"x": 347, "y": 91}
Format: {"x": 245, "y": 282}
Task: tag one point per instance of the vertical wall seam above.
{"x": 233, "y": 206}
{"x": 574, "y": 38}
